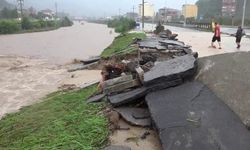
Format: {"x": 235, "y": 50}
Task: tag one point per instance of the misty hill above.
{"x": 4, "y": 3}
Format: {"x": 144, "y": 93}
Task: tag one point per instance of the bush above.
{"x": 26, "y": 24}
{"x": 51, "y": 23}
{"x": 7, "y": 27}
{"x": 42, "y": 23}
{"x": 66, "y": 22}
{"x": 122, "y": 24}
{"x": 36, "y": 25}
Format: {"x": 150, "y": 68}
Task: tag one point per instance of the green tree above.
{"x": 8, "y": 13}
{"x": 8, "y": 26}
{"x": 208, "y": 9}
{"x": 66, "y": 22}
{"x": 26, "y": 23}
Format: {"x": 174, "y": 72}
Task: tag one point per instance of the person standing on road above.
{"x": 238, "y": 36}
{"x": 216, "y": 36}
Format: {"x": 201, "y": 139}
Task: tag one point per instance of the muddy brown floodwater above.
{"x": 59, "y": 46}
{"x": 32, "y": 64}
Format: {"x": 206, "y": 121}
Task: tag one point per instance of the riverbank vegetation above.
{"x": 9, "y": 26}
{"x": 121, "y": 44}
{"x": 62, "y": 121}
{"x": 11, "y": 22}
{"x": 122, "y": 24}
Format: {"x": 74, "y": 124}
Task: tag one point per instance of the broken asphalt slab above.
{"x": 132, "y": 96}
{"x": 180, "y": 67}
{"x": 136, "y": 95}
{"x": 172, "y": 42}
{"x": 191, "y": 117}
{"x": 163, "y": 75}
{"x": 152, "y": 43}
{"x": 228, "y": 76}
{"x": 96, "y": 98}
{"x": 91, "y": 60}
{"x": 135, "y": 116}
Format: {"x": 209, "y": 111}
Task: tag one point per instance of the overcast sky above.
{"x": 100, "y": 8}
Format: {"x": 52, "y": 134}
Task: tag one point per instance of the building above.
{"x": 148, "y": 10}
{"x": 48, "y": 14}
{"x": 168, "y": 14}
{"x": 132, "y": 15}
{"x": 228, "y": 7}
{"x": 190, "y": 11}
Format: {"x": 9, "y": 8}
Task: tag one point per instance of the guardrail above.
{"x": 195, "y": 25}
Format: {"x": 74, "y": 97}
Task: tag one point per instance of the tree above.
{"x": 26, "y": 23}
{"x": 8, "y": 13}
{"x": 208, "y": 9}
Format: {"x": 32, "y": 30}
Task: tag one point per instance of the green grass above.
{"x": 121, "y": 43}
{"x": 62, "y": 121}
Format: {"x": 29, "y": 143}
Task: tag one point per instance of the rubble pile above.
{"x": 157, "y": 89}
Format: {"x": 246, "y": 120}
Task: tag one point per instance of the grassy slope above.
{"x": 62, "y": 121}
{"x": 121, "y": 43}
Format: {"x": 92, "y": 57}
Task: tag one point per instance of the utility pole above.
{"x": 244, "y": 13}
{"x": 142, "y": 15}
{"x": 133, "y": 12}
{"x": 119, "y": 13}
{"x": 56, "y": 8}
{"x": 185, "y": 14}
{"x": 20, "y": 4}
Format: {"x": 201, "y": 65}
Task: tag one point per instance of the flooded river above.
{"x": 25, "y": 80}
{"x": 59, "y": 46}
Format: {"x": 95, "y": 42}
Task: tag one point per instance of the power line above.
{"x": 20, "y": 4}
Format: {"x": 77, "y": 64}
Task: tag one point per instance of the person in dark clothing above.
{"x": 238, "y": 36}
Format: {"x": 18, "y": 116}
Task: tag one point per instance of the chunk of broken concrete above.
{"x": 96, "y": 98}
{"x": 113, "y": 147}
{"x": 121, "y": 86}
{"x": 191, "y": 117}
{"x": 180, "y": 67}
{"x": 129, "y": 113}
{"x": 90, "y": 60}
{"x": 132, "y": 96}
{"x": 117, "y": 80}
{"x": 140, "y": 73}
{"x": 76, "y": 67}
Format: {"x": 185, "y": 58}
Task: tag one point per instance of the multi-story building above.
{"x": 190, "y": 11}
{"x": 132, "y": 15}
{"x": 148, "y": 10}
{"x": 228, "y": 7}
{"x": 167, "y": 14}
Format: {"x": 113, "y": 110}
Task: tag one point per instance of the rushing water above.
{"x": 59, "y": 46}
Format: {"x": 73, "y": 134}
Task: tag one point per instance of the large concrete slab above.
{"x": 228, "y": 76}
{"x": 179, "y": 67}
{"x": 191, "y": 117}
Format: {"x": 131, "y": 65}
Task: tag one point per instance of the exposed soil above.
{"x": 131, "y": 138}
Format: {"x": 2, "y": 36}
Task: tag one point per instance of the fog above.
{"x": 100, "y": 8}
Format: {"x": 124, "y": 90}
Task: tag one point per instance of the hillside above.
{"x": 4, "y": 3}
